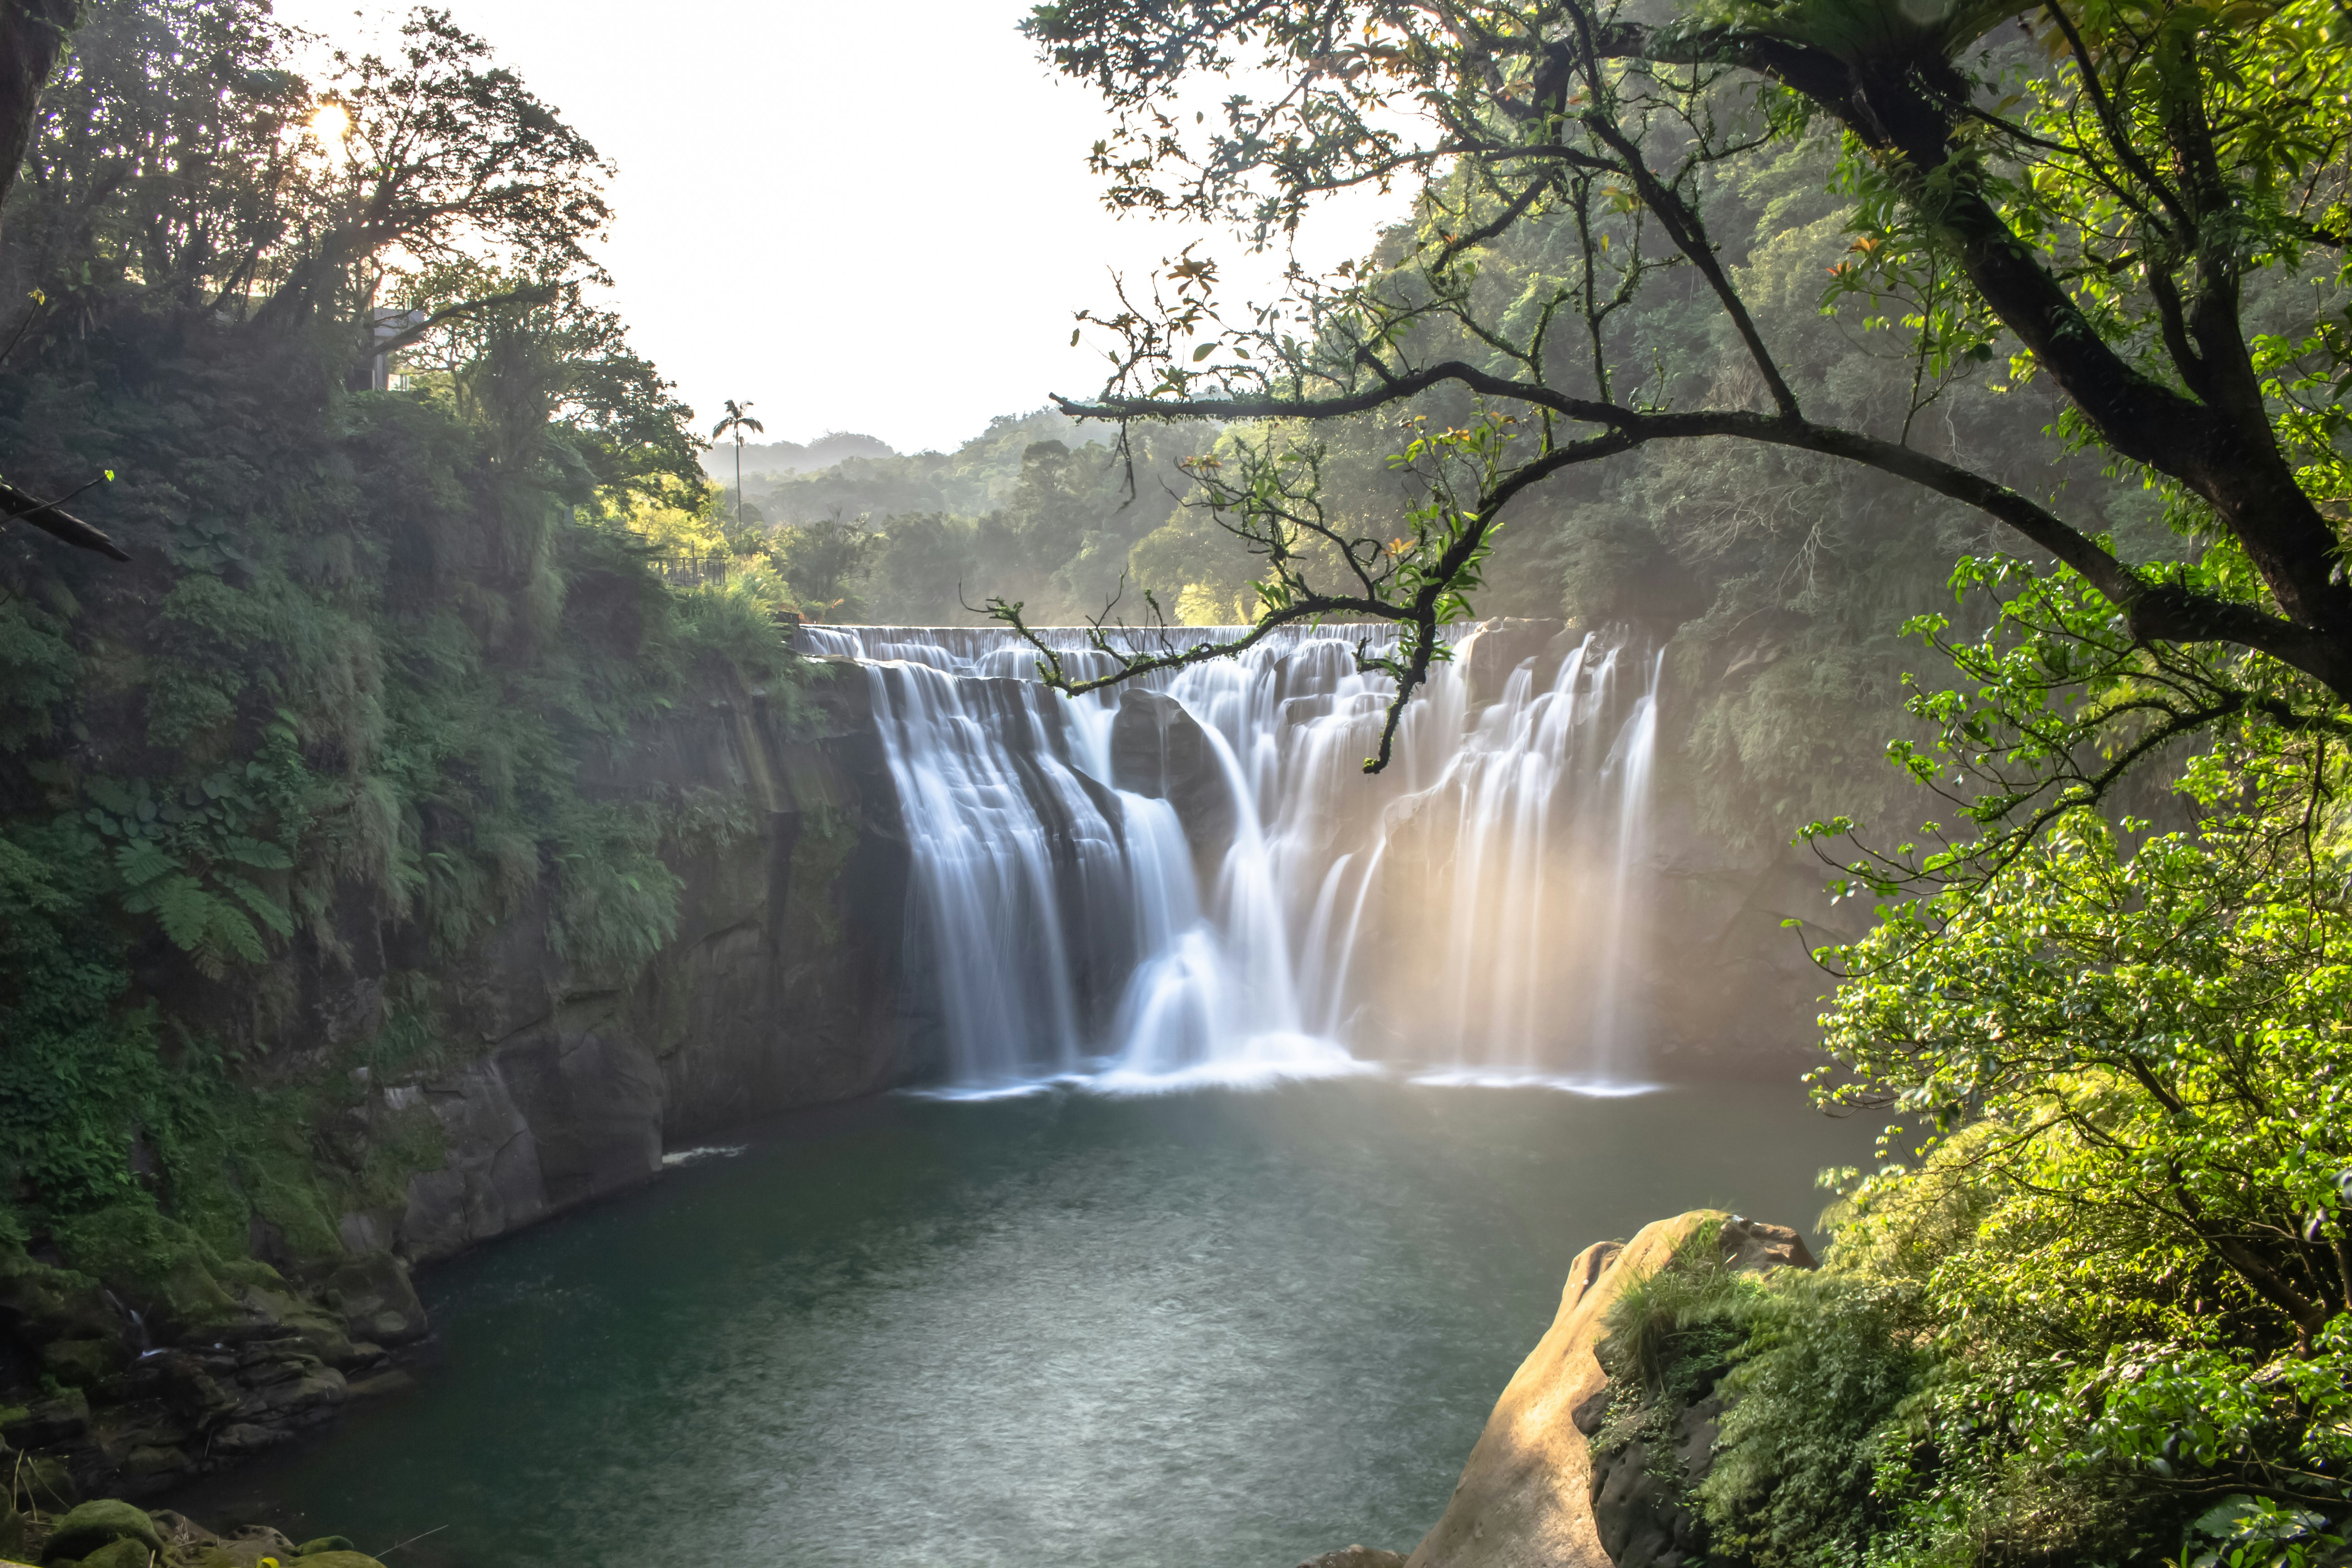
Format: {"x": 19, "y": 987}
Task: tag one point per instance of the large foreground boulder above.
{"x": 1525, "y": 1497}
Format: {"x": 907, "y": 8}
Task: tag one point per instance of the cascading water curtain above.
{"x": 1473, "y": 912}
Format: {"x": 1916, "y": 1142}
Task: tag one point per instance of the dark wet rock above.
{"x": 1496, "y": 648}
{"x": 382, "y": 1384}
{"x": 1357, "y": 1557}
{"x": 378, "y": 1304}
{"x": 1158, "y": 749}
{"x": 80, "y": 1363}
{"x": 1639, "y": 1514}
{"x": 49, "y": 1422}
{"x": 242, "y": 1439}
{"x": 248, "y": 1547}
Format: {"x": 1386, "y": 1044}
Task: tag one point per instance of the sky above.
{"x": 855, "y": 225}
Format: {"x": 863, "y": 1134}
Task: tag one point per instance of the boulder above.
{"x": 49, "y": 1424}
{"x": 91, "y": 1525}
{"x": 1642, "y": 1522}
{"x": 1357, "y": 1557}
{"x": 325, "y": 1543}
{"x": 248, "y": 1547}
{"x": 1753, "y": 1245}
{"x": 376, "y": 1300}
{"x": 1525, "y": 1497}
{"x": 1158, "y": 749}
{"x": 123, "y": 1553}
{"x": 240, "y": 1438}
{"x": 183, "y": 1538}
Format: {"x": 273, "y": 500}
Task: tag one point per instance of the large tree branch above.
{"x": 2155, "y": 610}
{"x": 51, "y": 518}
{"x": 1904, "y": 109}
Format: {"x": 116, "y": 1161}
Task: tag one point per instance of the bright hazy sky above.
{"x": 857, "y": 219}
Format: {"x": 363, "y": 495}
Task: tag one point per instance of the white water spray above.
{"x": 1472, "y": 914}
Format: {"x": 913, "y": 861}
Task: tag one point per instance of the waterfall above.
{"x": 1189, "y": 878}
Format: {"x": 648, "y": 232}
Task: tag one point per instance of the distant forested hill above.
{"x": 791, "y": 457}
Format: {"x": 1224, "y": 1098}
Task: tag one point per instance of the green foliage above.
{"x": 1671, "y": 1332}
{"x": 1671, "y": 1336}
{"x": 615, "y": 902}
{"x": 367, "y": 643}
{"x": 1828, "y": 1359}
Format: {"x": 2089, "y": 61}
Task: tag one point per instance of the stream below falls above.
{"x": 1209, "y": 1329}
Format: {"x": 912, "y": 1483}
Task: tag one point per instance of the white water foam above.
{"x": 1473, "y": 910}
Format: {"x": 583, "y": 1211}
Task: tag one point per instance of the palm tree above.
{"x": 739, "y": 419}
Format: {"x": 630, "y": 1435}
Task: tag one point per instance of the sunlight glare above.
{"x": 330, "y": 123}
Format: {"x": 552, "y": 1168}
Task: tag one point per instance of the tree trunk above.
{"x": 32, "y": 35}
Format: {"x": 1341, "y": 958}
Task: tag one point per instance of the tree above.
{"x": 2116, "y": 202}
{"x": 32, "y": 33}
{"x": 738, "y": 420}
{"x": 823, "y": 563}
{"x": 552, "y": 378}
{"x": 180, "y": 166}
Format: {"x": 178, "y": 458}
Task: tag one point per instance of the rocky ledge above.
{"x": 1532, "y": 1495}
{"x": 111, "y": 1533}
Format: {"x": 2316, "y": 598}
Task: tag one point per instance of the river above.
{"x": 1207, "y": 1329}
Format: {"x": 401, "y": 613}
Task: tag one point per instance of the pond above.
{"x": 1221, "y": 1328}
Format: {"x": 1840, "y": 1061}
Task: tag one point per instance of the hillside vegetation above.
{"x": 348, "y": 676}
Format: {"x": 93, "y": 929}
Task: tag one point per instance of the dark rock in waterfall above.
{"x": 1496, "y": 648}
{"x": 1159, "y": 750}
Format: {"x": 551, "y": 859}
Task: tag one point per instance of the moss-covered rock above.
{"x": 78, "y": 1363}
{"x": 90, "y": 1525}
{"x": 123, "y": 1553}
{"x": 326, "y": 1543}
{"x": 338, "y": 1560}
{"x": 248, "y": 1550}
{"x": 155, "y": 1262}
{"x": 39, "y": 1302}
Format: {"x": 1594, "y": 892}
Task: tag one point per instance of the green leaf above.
{"x": 273, "y": 914}
{"x": 142, "y": 860}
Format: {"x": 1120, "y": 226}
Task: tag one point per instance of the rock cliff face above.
{"x": 1529, "y": 1498}
{"x": 776, "y": 989}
